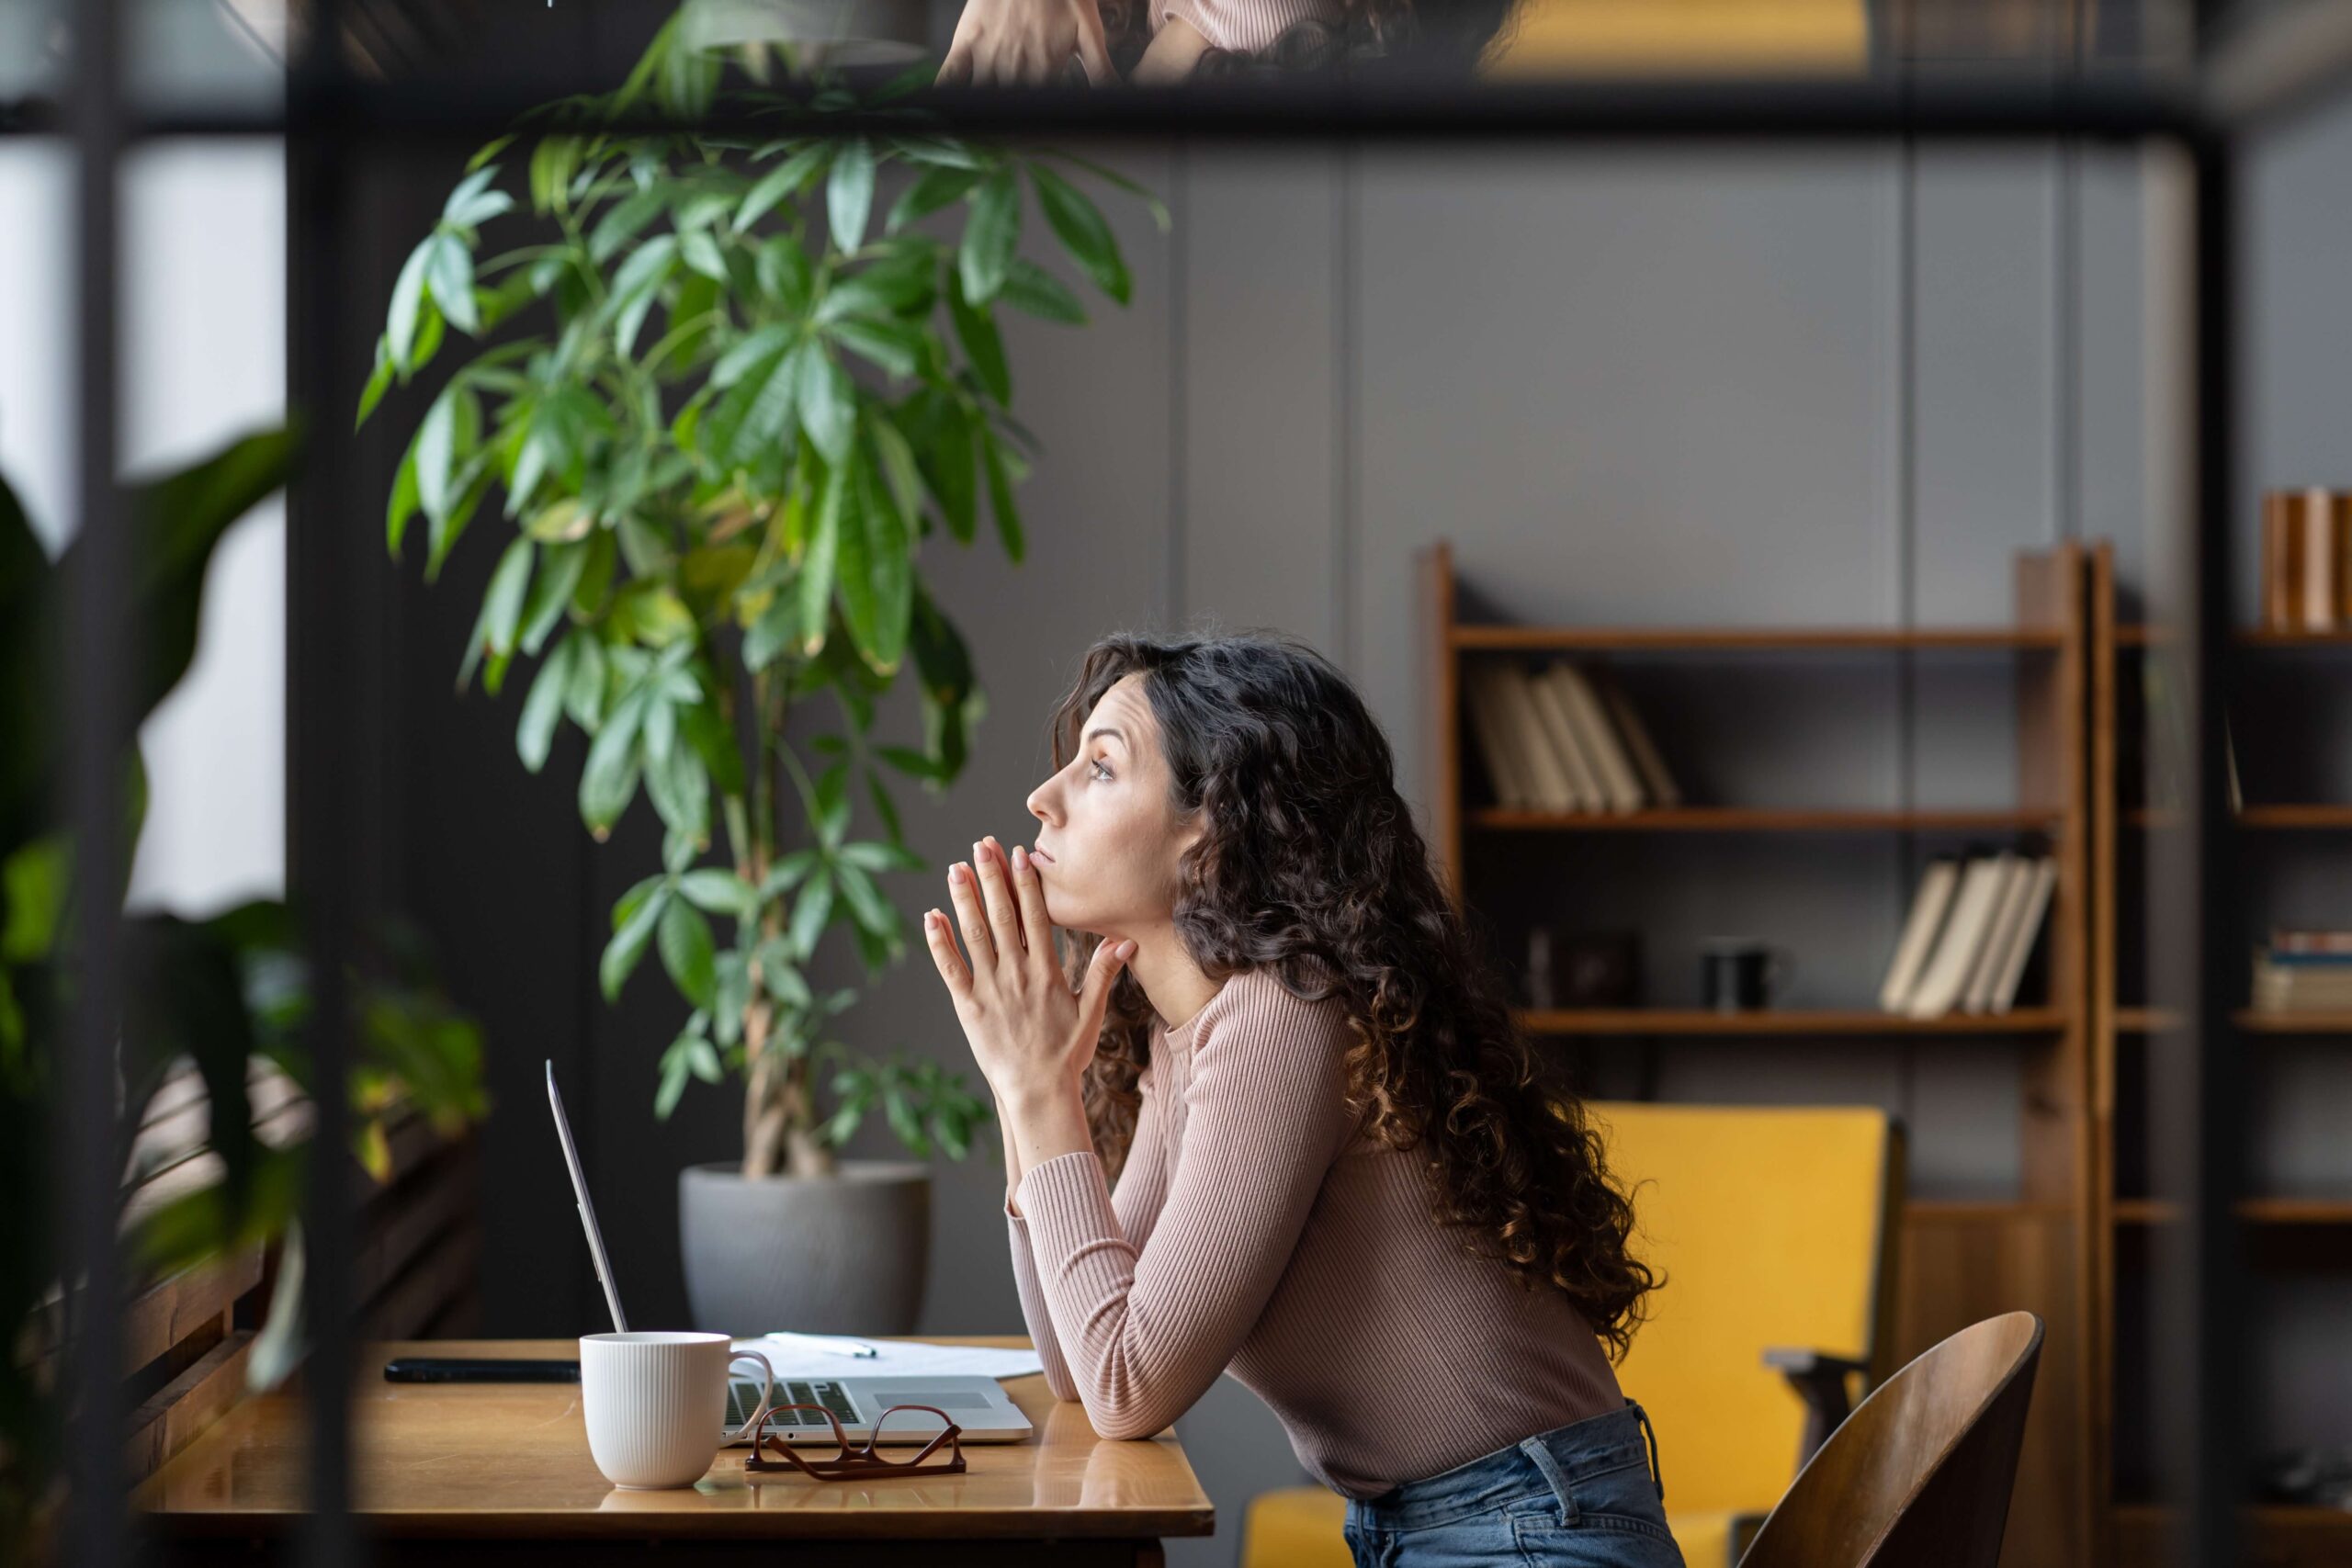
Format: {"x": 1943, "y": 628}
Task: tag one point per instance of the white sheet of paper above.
{"x": 898, "y": 1357}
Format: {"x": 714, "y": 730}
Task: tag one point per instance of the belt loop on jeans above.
{"x": 1535, "y": 1448}
{"x": 1657, "y": 1477}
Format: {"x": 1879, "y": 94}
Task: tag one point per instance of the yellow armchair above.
{"x": 1774, "y": 1227}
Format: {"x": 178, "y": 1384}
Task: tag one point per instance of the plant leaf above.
{"x": 408, "y": 293}
{"x": 814, "y": 907}
{"x": 560, "y": 568}
{"x": 609, "y": 781}
{"x": 1028, "y": 286}
{"x": 849, "y": 194}
{"x": 629, "y": 940}
{"x": 828, "y": 402}
{"x": 450, "y": 275}
{"x": 787, "y": 178}
{"x": 1008, "y": 516}
{"x": 976, "y": 329}
{"x": 543, "y": 707}
{"x": 720, "y": 891}
{"x": 990, "y": 235}
{"x": 817, "y": 566}
{"x": 934, "y": 188}
{"x": 687, "y": 950}
{"x": 1079, "y": 224}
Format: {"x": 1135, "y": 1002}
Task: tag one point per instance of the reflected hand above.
{"x": 1026, "y": 43}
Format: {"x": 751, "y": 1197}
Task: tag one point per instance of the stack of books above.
{"x": 1564, "y": 739}
{"x": 1973, "y": 926}
{"x": 2303, "y": 972}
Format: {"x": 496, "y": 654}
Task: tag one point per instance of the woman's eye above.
{"x": 1101, "y": 770}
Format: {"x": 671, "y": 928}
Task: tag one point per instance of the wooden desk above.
{"x": 458, "y": 1474}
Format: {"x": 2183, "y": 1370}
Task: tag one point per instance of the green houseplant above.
{"x": 214, "y": 993}
{"x": 763, "y": 382}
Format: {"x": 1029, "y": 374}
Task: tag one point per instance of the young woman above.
{"x": 1159, "y": 42}
{"x": 1342, "y": 1173}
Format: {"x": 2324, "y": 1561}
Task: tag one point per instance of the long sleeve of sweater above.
{"x": 1147, "y": 1307}
{"x": 1135, "y": 1201}
{"x": 1243, "y": 26}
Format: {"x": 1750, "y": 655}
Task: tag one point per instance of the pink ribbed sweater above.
{"x": 1256, "y": 1229}
{"x": 1243, "y": 26}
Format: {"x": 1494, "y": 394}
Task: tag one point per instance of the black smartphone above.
{"x": 477, "y": 1369}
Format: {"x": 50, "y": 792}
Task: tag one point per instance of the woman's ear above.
{"x": 1193, "y": 829}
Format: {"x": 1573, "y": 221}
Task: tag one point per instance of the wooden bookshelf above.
{"x": 2253, "y": 1211}
{"x": 2326, "y": 817}
{"x": 1752, "y": 639}
{"x": 2284, "y": 1232}
{"x": 2149, "y": 1021}
{"x": 2286, "y": 1537}
{"x": 1783, "y": 1021}
{"x": 1762, "y": 819}
{"x": 1955, "y": 1260}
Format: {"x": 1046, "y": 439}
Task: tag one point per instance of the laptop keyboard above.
{"x": 743, "y": 1400}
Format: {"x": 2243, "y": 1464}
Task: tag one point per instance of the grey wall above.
{"x": 1715, "y": 385}
{"x": 1726, "y": 386}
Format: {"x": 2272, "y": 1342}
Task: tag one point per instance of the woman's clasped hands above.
{"x": 1011, "y": 43}
{"x": 1031, "y": 1036}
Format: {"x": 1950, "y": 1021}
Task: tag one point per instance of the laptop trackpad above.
{"x": 950, "y": 1400}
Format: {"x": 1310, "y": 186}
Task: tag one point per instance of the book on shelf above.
{"x": 1657, "y": 781}
{"x": 1563, "y": 741}
{"x": 1618, "y": 779}
{"x": 1953, "y": 958}
{"x": 1993, "y": 952}
{"x": 2303, "y": 972}
{"x": 2024, "y": 930}
{"x": 1929, "y": 903}
{"x": 1559, "y": 729}
{"x": 1548, "y": 776}
{"x": 1490, "y": 726}
{"x": 1972, "y": 929}
{"x": 2284, "y": 940}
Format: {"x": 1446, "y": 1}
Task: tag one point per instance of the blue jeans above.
{"x": 1583, "y": 1495}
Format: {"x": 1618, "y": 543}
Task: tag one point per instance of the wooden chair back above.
{"x": 1920, "y": 1475}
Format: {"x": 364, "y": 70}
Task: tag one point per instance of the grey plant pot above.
{"x": 840, "y": 1253}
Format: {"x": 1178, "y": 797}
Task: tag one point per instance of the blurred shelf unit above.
{"x": 1783, "y": 1021}
{"x": 1956, "y": 1261}
{"x": 2284, "y": 1232}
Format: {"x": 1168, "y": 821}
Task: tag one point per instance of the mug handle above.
{"x": 767, "y": 1394}
{"x": 1778, "y": 970}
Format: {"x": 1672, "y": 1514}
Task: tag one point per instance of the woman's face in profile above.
{"x": 1108, "y": 837}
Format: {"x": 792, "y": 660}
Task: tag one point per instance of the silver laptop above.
{"x": 975, "y": 1404}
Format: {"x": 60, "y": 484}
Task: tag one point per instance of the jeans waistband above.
{"x": 1599, "y": 1445}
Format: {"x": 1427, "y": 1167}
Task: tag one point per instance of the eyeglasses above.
{"x": 846, "y": 1463}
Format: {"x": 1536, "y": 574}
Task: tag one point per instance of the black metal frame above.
{"x": 330, "y": 116}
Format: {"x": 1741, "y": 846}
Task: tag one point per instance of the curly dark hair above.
{"x": 1444, "y": 37}
{"x": 1310, "y": 867}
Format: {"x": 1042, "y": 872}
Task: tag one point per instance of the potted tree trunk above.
{"x": 756, "y": 392}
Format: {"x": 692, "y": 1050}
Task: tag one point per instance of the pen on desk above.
{"x": 830, "y": 1347}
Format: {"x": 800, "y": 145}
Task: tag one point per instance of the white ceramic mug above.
{"x": 656, "y": 1403}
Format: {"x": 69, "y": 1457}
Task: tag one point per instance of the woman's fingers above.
{"x": 1004, "y": 915}
{"x": 1092, "y": 51}
{"x": 957, "y": 67}
{"x": 943, "y": 953}
{"x": 1031, "y": 891}
{"x": 965, "y": 894}
{"x": 1094, "y": 991}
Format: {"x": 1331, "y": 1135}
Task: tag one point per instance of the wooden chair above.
{"x": 1921, "y": 1474}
